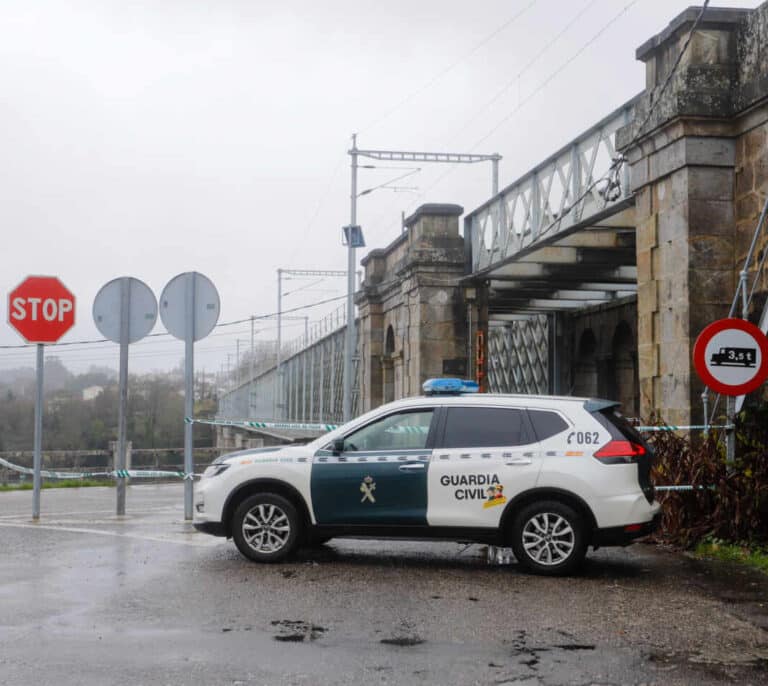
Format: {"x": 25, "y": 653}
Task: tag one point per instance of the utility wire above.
{"x": 535, "y": 92}
{"x": 557, "y": 72}
{"x": 528, "y": 65}
{"x": 165, "y": 333}
{"x": 672, "y": 71}
{"x": 446, "y": 70}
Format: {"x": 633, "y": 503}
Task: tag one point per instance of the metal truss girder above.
{"x": 551, "y": 285}
{"x": 518, "y": 355}
{"x": 553, "y": 197}
{"x": 611, "y": 257}
{"x": 599, "y": 238}
{"x": 568, "y": 273}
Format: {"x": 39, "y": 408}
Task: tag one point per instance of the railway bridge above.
{"x": 591, "y": 274}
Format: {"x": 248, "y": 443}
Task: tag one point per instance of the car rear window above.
{"x": 546, "y": 424}
{"x": 618, "y": 426}
{"x": 485, "y": 427}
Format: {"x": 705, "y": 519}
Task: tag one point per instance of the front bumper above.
{"x": 620, "y": 536}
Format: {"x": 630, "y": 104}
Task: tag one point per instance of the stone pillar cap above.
{"x": 434, "y": 210}
{"x": 714, "y": 16}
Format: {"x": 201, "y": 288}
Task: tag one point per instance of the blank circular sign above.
{"x": 194, "y": 291}
{"x": 141, "y": 303}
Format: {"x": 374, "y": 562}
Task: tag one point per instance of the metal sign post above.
{"x": 189, "y": 308}
{"x": 42, "y": 310}
{"x": 125, "y": 311}
{"x": 37, "y": 464}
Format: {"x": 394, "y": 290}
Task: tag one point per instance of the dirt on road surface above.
{"x": 89, "y": 598}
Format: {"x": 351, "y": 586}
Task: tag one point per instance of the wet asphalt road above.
{"x": 88, "y": 598}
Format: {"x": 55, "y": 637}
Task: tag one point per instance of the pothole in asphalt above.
{"x": 296, "y": 631}
{"x": 405, "y": 641}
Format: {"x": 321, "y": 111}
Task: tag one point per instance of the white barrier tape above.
{"x": 115, "y": 474}
{"x": 48, "y": 474}
{"x": 248, "y": 424}
{"x": 684, "y": 487}
{"x": 691, "y": 427}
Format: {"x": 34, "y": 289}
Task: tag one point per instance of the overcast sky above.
{"x": 147, "y": 138}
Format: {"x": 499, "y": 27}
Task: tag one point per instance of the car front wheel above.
{"x": 549, "y": 538}
{"x": 265, "y": 527}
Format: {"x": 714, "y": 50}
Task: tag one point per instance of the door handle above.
{"x": 518, "y": 462}
{"x": 413, "y": 467}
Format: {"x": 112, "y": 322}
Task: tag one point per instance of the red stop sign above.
{"x": 41, "y": 309}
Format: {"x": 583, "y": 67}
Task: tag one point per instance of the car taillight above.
{"x": 616, "y": 452}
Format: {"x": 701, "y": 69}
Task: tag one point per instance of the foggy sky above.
{"x": 151, "y": 138}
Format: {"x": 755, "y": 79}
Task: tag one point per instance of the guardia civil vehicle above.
{"x": 547, "y": 476}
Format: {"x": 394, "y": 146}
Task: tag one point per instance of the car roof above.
{"x": 513, "y": 400}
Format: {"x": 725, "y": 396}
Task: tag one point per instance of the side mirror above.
{"x": 338, "y": 446}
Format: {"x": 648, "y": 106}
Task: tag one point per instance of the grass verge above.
{"x": 752, "y": 556}
{"x": 65, "y": 483}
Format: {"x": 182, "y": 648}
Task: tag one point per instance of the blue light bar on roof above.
{"x": 449, "y": 386}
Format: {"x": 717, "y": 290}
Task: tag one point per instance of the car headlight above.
{"x": 215, "y": 469}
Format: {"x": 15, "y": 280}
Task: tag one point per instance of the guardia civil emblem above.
{"x": 367, "y": 488}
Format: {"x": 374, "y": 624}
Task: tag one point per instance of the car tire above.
{"x": 266, "y": 527}
{"x": 549, "y": 538}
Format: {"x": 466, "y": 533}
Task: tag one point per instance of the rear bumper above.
{"x": 619, "y": 536}
{"x": 212, "y": 528}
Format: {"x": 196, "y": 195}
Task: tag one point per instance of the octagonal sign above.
{"x": 731, "y": 356}
{"x": 41, "y": 309}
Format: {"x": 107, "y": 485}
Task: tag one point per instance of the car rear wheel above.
{"x": 266, "y": 527}
{"x": 549, "y": 538}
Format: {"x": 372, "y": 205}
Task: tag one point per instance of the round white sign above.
{"x": 193, "y": 290}
{"x": 141, "y": 303}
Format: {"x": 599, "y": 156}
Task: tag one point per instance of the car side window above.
{"x": 399, "y": 431}
{"x": 546, "y": 424}
{"x": 485, "y": 427}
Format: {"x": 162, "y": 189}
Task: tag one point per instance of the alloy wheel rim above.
{"x": 266, "y": 528}
{"x": 548, "y": 538}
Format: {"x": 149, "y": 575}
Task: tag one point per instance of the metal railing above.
{"x": 556, "y": 195}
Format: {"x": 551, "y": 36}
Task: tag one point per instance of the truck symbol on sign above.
{"x": 732, "y": 357}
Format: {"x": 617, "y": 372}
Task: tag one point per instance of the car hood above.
{"x": 278, "y": 450}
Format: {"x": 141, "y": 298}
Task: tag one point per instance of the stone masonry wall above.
{"x": 697, "y": 168}
{"x": 750, "y": 196}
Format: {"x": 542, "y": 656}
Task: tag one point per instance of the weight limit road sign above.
{"x": 731, "y": 356}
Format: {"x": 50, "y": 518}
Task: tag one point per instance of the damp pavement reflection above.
{"x": 91, "y": 598}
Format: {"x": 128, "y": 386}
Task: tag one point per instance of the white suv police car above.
{"x": 547, "y": 476}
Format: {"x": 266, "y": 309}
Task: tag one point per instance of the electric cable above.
{"x": 446, "y": 70}
{"x": 22, "y": 346}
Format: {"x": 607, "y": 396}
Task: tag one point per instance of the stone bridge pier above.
{"x": 699, "y": 174}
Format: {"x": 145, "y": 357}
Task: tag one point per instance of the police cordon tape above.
{"x": 248, "y": 424}
{"x": 114, "y": 474}
{"x": 690, "y": 427}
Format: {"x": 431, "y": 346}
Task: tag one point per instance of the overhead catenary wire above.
{"x": 538, "y": 89}
{"x": 526, "y": 67}
{"x": 450, "y": 67}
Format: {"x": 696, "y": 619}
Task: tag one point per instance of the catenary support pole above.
{"x": 349, "y": 339}
{"x": 38, "y": 446}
